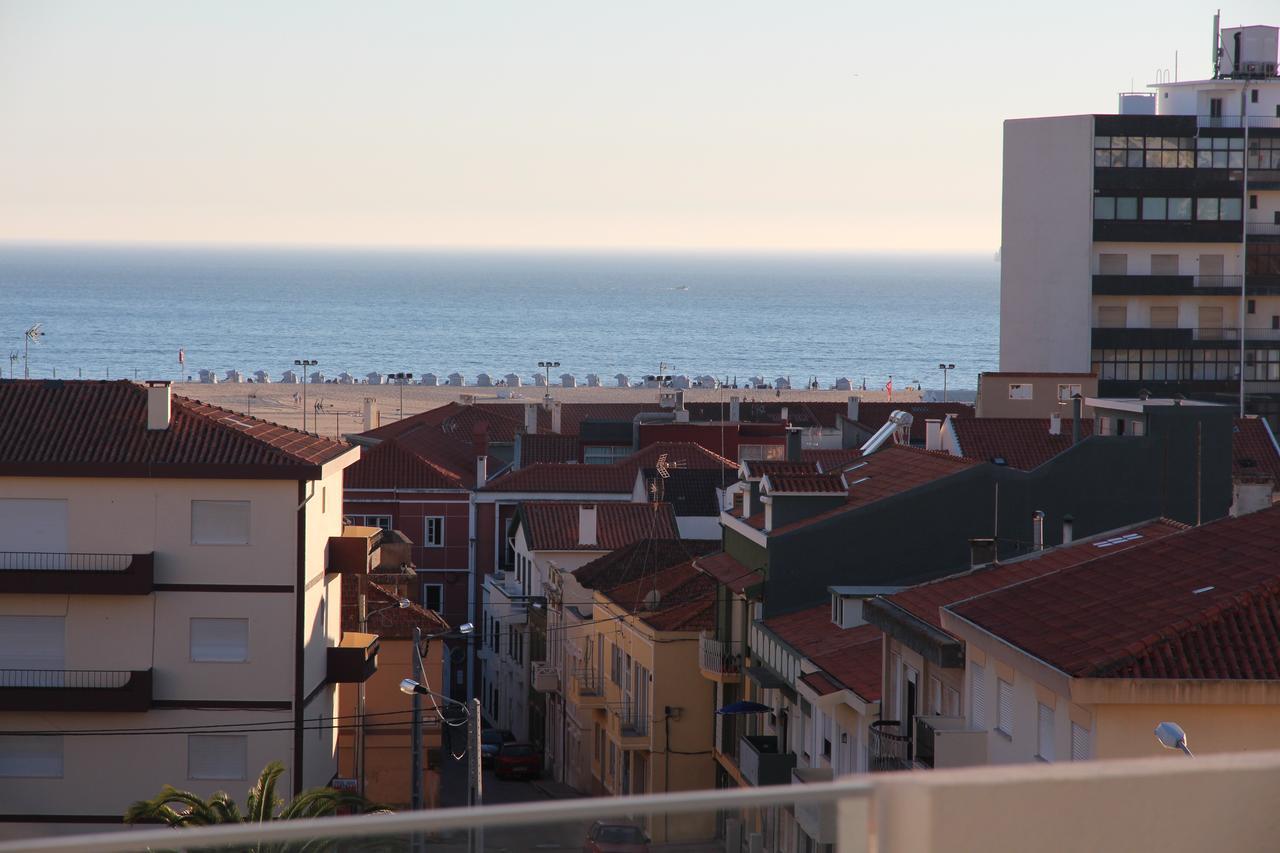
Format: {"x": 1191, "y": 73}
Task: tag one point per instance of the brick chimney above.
{"x": 587, "y": 525}
{"x": 159, "y": 404}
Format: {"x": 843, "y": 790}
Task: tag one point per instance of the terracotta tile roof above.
{"x": 1023, "y": 443}
{"x": 804, "y": 484}
{"x": 729, "y": 572}
{"x": 1204, "y": 603}
{"x": 757, "y": 468}
{"x": 691, "y": 491}
{"x": 73, "y": 427}
{"x": 642, "y": 557}
{"x": 1253, "y": 449}
{"x": 390, "y": 465}
{"x": 857, "y": 666}
{"x": 553, "y": 525}
{"x": 548, "y": 447}
{"x": 875, "y": 415}
{"x": 385, "y": 618}
{"x": 925, "y": 600}
{"x": 686, "y": 599}
{"x": 617, "y": 478}
{"x": 811, "y": 632}
{"x": 831, "y": 460}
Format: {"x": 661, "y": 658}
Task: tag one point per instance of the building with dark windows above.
{"x": 1145, "y": 246}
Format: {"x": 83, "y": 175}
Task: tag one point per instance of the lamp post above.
{"x": 304, "y": 363}
{"x": 1171, "y": 736}
{"x": 944, "y": 367}
{"x": 401, "y": 378}
{"x": 414, "y": 687}
{"x": 363, "y": 604}
{"x": 547, "y": 365}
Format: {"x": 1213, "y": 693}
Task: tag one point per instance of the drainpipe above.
{"x": 1077, "y": 410}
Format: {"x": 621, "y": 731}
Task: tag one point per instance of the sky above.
{"x": 810, "y": 126}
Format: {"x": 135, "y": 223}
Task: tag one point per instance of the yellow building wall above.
{"x": 1127, "y": 731}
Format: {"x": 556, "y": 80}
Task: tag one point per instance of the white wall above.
{"x": 1046, "y": 235}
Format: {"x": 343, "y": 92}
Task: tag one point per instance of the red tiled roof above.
{"x": 875, "y": 415}
{"x": 686, "y": 599}
{"x": 549, "y": 447}
{"x": 1253, "y": 450}
{"x": 857, "y": 666}
{"x": 831, "y": 460}
{"x": 925, "y": 600}
{"x": 1023, "y": 443}
{"x": 385, "y": 619}
{"x": 553, "y": 525}
{"x": 69, "y": 427}
{"x": 617, "y": 478}
{"x": 729, "y": 572}
{"x": 1204, "y": 603}
{"x": 640, "y": 558}
{"x": 390, "y": 465}
{"x": 757, "y": 468}
{"x": 802, "y": 484}
{"x": 811, "y": 632}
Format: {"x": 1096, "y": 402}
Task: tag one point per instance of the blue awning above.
{"x": 745, "y": 708}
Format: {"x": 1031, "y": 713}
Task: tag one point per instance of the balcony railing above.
{"x": 888, "y": 747}
{"x": 76, "y": 573}
{"x": 761, "y": 762}
{"x": 633, "y": 719}
{"x": 354, "y": 660}
{"x": 588, "y": 689}
{"x": 1237, "y": 121}
{"x": 720, "y": 660}
{"x": 1232, "y": 281}
{"x": 1262, "y": 229}
{"x": 75, "y": 690}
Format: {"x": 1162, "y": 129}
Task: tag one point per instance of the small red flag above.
{"x": 182, "y": 357}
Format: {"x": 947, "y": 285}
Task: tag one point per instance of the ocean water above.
{"x": 116, "y": 311}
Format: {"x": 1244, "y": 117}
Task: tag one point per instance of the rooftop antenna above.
{"x": 13, "y": 363}
{"x": 35, "y": 333}
{"x": 652, "y": 599}
{"x": 1217, "y": 48}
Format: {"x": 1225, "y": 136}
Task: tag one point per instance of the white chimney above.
{"x": 587, "y": 524}
{"x": 482, "y": 470}
{"x": 1068, "y": 529}
{"x": 852, "y": 412}
{"x": 735, "y": 409}
{"x": 1055, "y": 424}
{"x": 372, "y": 417}
{"x": 159, "y": 404}
{"x": 933, "y": 434}
{"x": 1037, "y": 530}
{"x": 555, "y": 417}
{"x": 786, "y": 415}
{"x": 531, "y": 418}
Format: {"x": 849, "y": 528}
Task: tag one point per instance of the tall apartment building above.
{"x": 163, "y": 585}
{"x": 1145, "y": 246}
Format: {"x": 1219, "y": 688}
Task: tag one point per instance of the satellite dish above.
{"x": 652, "y": 599}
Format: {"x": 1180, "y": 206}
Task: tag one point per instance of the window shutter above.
{"x": 1044, "y": 733}
{"x": 31, "y": 757}
{"x": 220, "y": 640}
{"x": 217, "y": 756}
{"x": 220, "y": 522}
{"x": 978, "y": 698}
{"x": 1004, "y": 709}
{"x": 1079, "y": 743}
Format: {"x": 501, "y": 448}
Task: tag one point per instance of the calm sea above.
{"x": 114, "y": 311}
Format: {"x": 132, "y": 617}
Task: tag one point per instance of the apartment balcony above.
{"x": 546, "y": 677}
{"x": 888, "y": 746}
{"x": 360, "y": 550}
{"x": 949, "y": 742}
{"x": 1237, "y": 122}
{"x": 720, "y": 661}
{"x": 354, "y": 660}
{"x": 587, "y": 690}
{"x": 74, "y": 690}
{"x": 633, "y": 724}
{"x": 817, "y": 819}
{"x": 1263, "y": 232}
{"x": 76, "y": 574}
{"x": 761, "y": 762}
{"x": 1166, "y": 231}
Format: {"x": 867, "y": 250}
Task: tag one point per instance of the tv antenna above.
{"x": 13, "y": 363}
{"x": 35, "y": 333}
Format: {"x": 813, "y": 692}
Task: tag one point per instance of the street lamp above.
{"x": 547, "y": 365}
{"x": 1171, "y": 736}
{"x": 401, "y": 378}
{"x": 944, "y": 367}
{"x": 304, "y": 363}
{"x": 414, "y": 687}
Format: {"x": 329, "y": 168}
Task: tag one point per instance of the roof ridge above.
{"x": 188, "y": 405}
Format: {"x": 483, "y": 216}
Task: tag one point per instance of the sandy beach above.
{"x": 341, "y": 407}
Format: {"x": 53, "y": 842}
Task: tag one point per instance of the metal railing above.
{"x": 718, "y": 656}
{"x": 1232, "y": 281}
{"x": 587, "y": 680}
{"x": 40, "y": 561}
{"x": 633, "y": 719}
{"x": 76, "y": 679}
{"x": 1237, "y": 121}
{"x": 887, "y": 747}
{"x": 1262, "y": 229}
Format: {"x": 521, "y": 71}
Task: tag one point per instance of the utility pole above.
{"x": 474, "y": 773}
{"x": 416, "y": 742}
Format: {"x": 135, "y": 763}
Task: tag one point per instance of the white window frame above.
{"x": 1079, "y": 742}
{"x": 978, "y": 695}
{"x": 1021, "y": 391}
{"x": 426, "y": 603}
{"x": 1044, "y": 732}
{"x": 207, "y": 539}
{"x": 31, "y": 757}
{"x": 226, "y": 623}
{"x": 1004, "y": 707}
{"x": 371, "y": 521}
{"x": 1067, "y": 390}
{"x": 428, "y": 523}
{"x": 222, "y": 745}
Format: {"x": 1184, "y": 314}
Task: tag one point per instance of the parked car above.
{"x": 610, "y": 837}
{"x": 518, "y": 759}
{"x": 491, "y": 740}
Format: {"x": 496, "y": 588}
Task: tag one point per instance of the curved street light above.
{"x": 1171, "y": 736}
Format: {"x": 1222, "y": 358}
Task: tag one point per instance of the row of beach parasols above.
{"x": 511, "y": 380}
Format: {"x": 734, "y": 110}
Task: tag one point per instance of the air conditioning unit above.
{"x": 949, "y": 742}
{"x": 545, "y": 678}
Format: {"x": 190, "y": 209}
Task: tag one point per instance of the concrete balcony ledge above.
{"x": 761, "y": 762}
{"x": 354, "y": 660}
{"x": 76, "y": 574}
{"x": 74, "y": 690}
{"x": 718, "y": 660}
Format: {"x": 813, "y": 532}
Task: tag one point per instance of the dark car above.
{"x": 609, "y": 837}
{"x": 518, "y": 759}
{"x": 491, "y": 740}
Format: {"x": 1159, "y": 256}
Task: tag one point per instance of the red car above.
{"x": 608, "y": 837}
{"x": 517, "y": 759}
